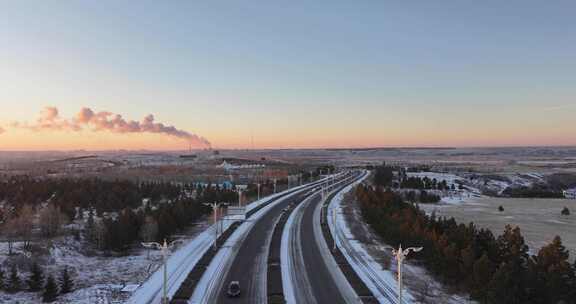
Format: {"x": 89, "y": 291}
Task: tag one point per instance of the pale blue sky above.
{"x": 311, "y": 74}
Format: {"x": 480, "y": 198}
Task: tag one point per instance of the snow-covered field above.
{"x": 97, "y": 278}
{"x": 539, "y": 219}
{"x": 477, "y": 186}
{"x": 452, "y": 196}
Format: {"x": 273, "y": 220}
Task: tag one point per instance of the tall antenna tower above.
{"x": 252, "y": 139}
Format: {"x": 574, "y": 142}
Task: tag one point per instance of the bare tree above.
{"x": 18, "y": 227}
{"x": 23, "y": 224}
{"x": 149, "y": 231}
{"x": 99, "y": 234}
{"x": 51, "y": 220}
{"x": 9, "y": 232}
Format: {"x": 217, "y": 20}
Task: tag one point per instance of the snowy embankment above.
{"x": 179, "y": 264}
{"x": 382, "y": 283}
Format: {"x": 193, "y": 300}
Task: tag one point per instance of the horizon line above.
{"x": 296, "y": 148}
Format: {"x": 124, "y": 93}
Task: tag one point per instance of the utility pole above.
{"x": 258, "y": 190}
{"x": 164, "y": 248}
{"x": 400, "y": 255}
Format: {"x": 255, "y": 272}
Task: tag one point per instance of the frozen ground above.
{"x": 477, "y": 185}
{"x": 97, "y": 279}
{"x": 539, "y": 219}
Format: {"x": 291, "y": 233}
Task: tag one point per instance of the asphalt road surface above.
{"x": 312, "y": 274}
{"x": 250, "y": 264}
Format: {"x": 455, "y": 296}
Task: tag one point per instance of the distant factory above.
{"x": 570, "y": 193}
{"x": 229, "y": 166}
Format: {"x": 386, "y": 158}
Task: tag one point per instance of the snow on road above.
{"x": 292, "y": 261}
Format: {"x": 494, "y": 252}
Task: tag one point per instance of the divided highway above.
{"x": 244, "y": 257}
{"x": 311, "y": 275}
{"x": 250, "y": 265}
{"x": 309, "y": 272}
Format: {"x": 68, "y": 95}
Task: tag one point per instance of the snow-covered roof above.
{"x": 130, "y": 288}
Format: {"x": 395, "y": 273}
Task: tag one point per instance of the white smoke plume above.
{"x": 50, "y": 120}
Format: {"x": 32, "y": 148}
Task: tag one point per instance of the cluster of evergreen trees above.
{"x": 423, "y": 197}
{"x": 170, "y": 207}
{"x": 534, "y": 191}
{"x": 37, "y": 281}
{"x": 496, "y": 270}
{"x": 68, "y": 194}
{"x": 153, "y": 224}
{"x": 425, "y": 183}
{"x": 383, "y": 175}
{"x": 118, "y": 234}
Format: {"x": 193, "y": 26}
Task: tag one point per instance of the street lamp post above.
{"x": 400, "y": 255}
{"x": 333, "y": 180}
{"x": 164, "y": 248}
{"x": 239, "y": 197}
{"x": 215, "y": 208}
{"x": 335, "y": 226}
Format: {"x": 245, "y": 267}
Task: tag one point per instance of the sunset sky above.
{"x": 297, "y": 74}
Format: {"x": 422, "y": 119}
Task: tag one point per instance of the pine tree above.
{"x": 554, "y": 269}
{"x": 13, "y": 280}
{"x": 511, "y": 276}
{"x": 66, "y": 283}
{"x": 482, "y": 273}
{"x": 50, "y": 290}
{"x": 1, "y": 279}
{"x": 36, "y": 279}
{"x": 503, "y": 288}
